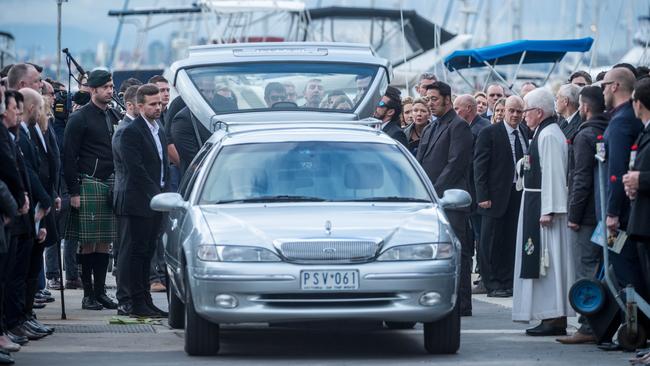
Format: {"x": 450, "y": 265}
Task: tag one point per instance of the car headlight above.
{"x": 234, "y": 253}
{"x": 417, "y": 252}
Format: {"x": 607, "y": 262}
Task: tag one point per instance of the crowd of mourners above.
{"x": 77, "y": 175}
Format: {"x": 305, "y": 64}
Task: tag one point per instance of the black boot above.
{"x": 100, "y": 267}
{"x": 89, "y": 302}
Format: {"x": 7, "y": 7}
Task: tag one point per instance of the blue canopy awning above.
{"x": 537, "y": 51}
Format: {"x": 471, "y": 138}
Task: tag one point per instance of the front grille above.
{"x": 299, "y": 300}
{"x": 328, "y": 250}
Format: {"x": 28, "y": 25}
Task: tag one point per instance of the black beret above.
{"x": 98, "y": 78}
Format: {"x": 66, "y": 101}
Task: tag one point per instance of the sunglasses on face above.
{"x": 604, "y": 84}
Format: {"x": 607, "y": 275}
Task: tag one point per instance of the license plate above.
{"x": 329, "y": 280}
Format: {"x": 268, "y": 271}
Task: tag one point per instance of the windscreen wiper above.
{"x": 390, "y": 199}
{"x": 277, "y": 198}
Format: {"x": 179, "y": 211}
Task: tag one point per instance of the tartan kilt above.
{"x": 94, "y": 221}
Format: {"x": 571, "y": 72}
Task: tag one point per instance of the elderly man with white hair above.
{"x": 566, "y": 105}
{"x": 543, "y": 262}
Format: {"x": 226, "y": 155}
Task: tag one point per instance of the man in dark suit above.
{"x": 388, "y": 111}
{"x": 637, "y": 180}
{"x": 189, "y": 135}
{"x": 498, "y": 148}
{"x": 445, "y": 153}
{"x": 145, "y": 173}
{"x": 567, "y": 106}
{"x": 622, "y": 130}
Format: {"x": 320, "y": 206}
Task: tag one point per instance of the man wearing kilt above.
{"x": 89, "y": 174}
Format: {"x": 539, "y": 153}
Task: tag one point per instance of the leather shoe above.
{"x": 35, "y": 329}
{"x": 106, "y": 301}
{"x": 6, "y": 359}
{"x": 143, "y": 311}
{"x": 577, "y": 338}
{"x": 7, "y": 345}
{"x": 158, "y": 310}
{"x": 39, "y": 305}
{"x": 546, "y": 328}
{"x": 20, "y": 340}
{"x": 89, "y": 303}
{"x": 498, "y": 293}
{"x": 41, "y": 297}
{"x": 23, "y": 332}
{"x": 44, "y": 328}
{"x": 124, "y": 309}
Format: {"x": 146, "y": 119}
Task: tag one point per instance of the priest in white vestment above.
{"x": 544, "y": 269}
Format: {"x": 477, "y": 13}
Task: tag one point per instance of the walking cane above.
{"x": 58, "y": 255}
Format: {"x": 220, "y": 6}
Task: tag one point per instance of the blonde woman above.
{"x": 420, "y": 113}
{"x": 499, "y": 111}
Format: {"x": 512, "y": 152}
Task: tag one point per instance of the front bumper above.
{"x": 271, "y": 292}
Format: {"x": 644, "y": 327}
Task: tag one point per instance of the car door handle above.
{"x": 174, "y": 224}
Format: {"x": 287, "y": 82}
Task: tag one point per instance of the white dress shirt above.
{"x": 511, "y": 138}
{"x": 154, "y": 128}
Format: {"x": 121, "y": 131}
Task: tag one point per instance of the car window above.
{"x": 312, "y": 171}
{"x": 283, "y": 86}
{"x": 193, "y": 169}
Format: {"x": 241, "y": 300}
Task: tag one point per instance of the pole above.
{"x": 401, "y": 15}
{"x": 59, "y": 3}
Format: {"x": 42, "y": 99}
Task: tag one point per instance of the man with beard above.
{"x": 89, "y": 175}
{"x": 388, "y": 111}
{"x": 445, "y": 153}
{"x": 145, "y": 175}
{"x": 582, "y": 202}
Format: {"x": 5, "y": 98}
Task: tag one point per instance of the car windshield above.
{"x": 312, "y": 171}
{"x": 281, "y": 86}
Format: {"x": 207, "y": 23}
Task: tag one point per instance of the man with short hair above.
{"x": 131, "y": 111}
{"x": 526, "y": 88}
{"x": 145, "y": 175}
{"x": 274, "y": 93}
{"x": 465, "y": 106}
{"x": 24, "y": 76}
{"x": 543, "y": 270}
{"x": 566, "y": 105}
{"x": 580, "y": 78}
{"x": 363, "y": 83}
{"x": 426, "y": 79}
{"x": 494, "y": 92}
{"x": 290, "y": 88}
{"x": 388, "y": 110}
{"x": 89, "y": 175}
{"x": 582, "y": 203}
{"x": 498, "y": 149}
{"x": 623, "y": 129}
{"x": 163, "y": 86}
{"x": 313, "y": 93}
{"x": 445, "y": 153}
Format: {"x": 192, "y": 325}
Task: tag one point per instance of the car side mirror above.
{"x": 455, "y": 198}
{"x": 165, "y": 202}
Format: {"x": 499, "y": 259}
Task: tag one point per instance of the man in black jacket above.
{"x": 498, "y": 148}
{"x": 445, "y": 153}
{"x": 189, "y": 135}
{"x": 388, "y": 111}
{"x": 143, "y": 147}
{"x": 566, "y": 105}
{"x": 637, "y": 180}
{"x": 88, "y": 171}
{"x": 582, "y": 203}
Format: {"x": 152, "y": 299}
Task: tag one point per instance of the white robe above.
{"x": 547, "y": 296}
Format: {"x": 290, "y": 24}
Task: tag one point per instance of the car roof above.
{"x": 306, "y": 131}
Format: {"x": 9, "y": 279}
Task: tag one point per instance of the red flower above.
{"x": 569, "y": 142}
{"x": 613, "y": 179}
{"x": 634, "y": 147}
{"x": 599, "y": 137}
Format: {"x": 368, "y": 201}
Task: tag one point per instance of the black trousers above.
{"x": 459, "y": 222}
{"x": 121, "y": 293}
{"x": 135, "y": 254}
{"x": 20, "y": 252}
{"x": 498, "y": 245}
{"x": 33, "y": 273}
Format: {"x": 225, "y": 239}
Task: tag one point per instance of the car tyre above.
{"x": 176, "y": 317}
{"x": 201, "y": 336}
{"x": 443, "y": 336}
{"x": 400, "y": 325}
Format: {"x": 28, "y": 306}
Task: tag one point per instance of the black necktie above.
{"x": 519, "y": 151}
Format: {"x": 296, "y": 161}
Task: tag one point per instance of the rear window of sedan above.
{"x": 312, "y": 171}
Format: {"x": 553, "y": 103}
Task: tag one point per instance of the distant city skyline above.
{"x": 86, "y": 25}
